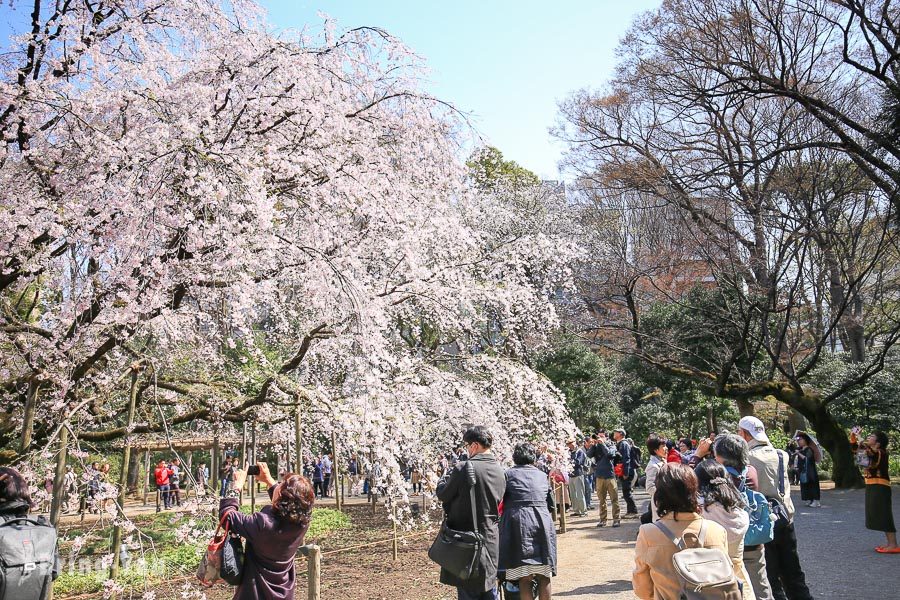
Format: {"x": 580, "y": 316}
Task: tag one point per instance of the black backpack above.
{"x": 27, "y": 558}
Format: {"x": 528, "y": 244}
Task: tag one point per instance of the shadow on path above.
{"x": 602, "y": 589}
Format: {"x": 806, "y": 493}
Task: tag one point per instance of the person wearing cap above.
{"x": 783, "y": 568}
{"x": 576, "y": 478}
{"x": 625, "y": 451}
{"x": 588, "y": 474}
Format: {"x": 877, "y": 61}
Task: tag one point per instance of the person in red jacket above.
{"x": 162, "y": 473}
{"x": 673, "y": 455}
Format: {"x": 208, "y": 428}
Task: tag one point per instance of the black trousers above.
{"x": 630, "y": 507}
{"x": 783, "y": 566}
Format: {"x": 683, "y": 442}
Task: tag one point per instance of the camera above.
{"x": 253, "y": 470}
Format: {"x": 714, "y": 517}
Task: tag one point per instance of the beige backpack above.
{"x": 705, "y": 573}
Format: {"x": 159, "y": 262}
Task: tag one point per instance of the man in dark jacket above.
{"x": 604, "y": 478}
{"x": 624, "y": 449}
{"x": 453, "y": 491}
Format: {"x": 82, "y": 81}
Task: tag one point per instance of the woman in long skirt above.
{"x": 809, "y": 476}
{"x": 879, "y": 513}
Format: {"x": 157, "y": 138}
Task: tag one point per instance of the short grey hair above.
{"x": 733, "y": 451}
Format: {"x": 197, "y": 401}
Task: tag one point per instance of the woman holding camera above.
{"x": 273, "y": 534}
{"x": 879, "y": 513}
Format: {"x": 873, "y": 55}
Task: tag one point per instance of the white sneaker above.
{"x": 816, "y": 504}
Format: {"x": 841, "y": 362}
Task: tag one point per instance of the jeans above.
{"x": 226, "y": 483}
{"x": 462, "y": 594}
{"x": 630, "y": 508}
{"x": 326, "y": 484}
{"x": 783, "y": 566}
{"x": 589, "y": 489}
{"x": 164, "y": 494}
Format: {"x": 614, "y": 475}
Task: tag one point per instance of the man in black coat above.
{"x": 453, "y": 491}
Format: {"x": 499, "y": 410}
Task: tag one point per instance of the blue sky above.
{"x": 505, "y": 62}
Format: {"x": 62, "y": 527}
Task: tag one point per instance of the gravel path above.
{"x": 836, "y": 550}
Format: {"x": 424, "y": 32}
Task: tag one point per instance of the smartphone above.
{"x": 253, "y": 470}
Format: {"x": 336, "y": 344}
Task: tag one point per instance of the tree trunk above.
{"x": 745, "y": 407}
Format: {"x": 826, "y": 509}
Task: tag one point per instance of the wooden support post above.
{"x": 28, "y": 417}
{"x": 123, "y": 474}
{"x": 145, "y": 486}
{"x": 334, "y": 471}
{"x": 215, "y": 466}
{"x": 394, "y": 544}
{"x": 244, "y": 456}
{"x": 562, "y": 508}
{"x": 59, "y": 476}
{"x": 253, "y": 462}
{"x": 313, "y": 570}
{"x": 298, "y": 438}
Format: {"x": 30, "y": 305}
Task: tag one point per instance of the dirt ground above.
{"x": 370, "y": 573}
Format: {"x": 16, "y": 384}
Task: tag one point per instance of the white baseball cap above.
{"x": 755, "y": 428}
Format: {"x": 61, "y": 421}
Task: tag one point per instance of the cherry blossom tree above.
{"x": 246, "y": 226}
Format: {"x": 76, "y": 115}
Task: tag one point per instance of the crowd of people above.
{"x": 727, "y": 493}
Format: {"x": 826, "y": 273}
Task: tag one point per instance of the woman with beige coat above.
{"x": 676, "y": 495}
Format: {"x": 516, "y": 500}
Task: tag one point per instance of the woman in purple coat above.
{"x": 273, "y": 534}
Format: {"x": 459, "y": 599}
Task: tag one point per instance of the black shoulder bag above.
{"x": 459, "y": 552}
{"x": 776, "y": 505}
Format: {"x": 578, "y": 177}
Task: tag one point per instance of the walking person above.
{"x": 786, "y": 577}
{"x": 202, "y": 478}
{"x": 527, "y": 532}
{"x": 318, "y": 480}
{"x": 453, "y": 491}
{"x": 353, "y": 470}
{"x": 578, "y": 460}
{"x": 808, "y": 475}
{"x": 326, "y": 474}
{"x": 626, "y": 478}
{"x": 273, "y": 534}
{"x": 604, "y": 479}
{"x": 161, "y": 475}
{"x": 722, "y": 502}
{"x": 879, "y": 513}
{"x": 654, "y": 576}
{"x": 175, "y": 482}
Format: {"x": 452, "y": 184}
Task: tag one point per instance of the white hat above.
{"x": 755, "y": 428}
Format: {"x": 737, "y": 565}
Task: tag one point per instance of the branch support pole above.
{"x": 59, "y": 475}
{"x": 123, "y": 476}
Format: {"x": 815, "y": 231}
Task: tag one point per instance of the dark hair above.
{"x": 480, "y": 435}
{"x": 296, "y": 499}
{"x": 805, "y": 437}
{"x": 676, "y": 489}
{"x": 654, "y": 442}
{"x": 733, "y": 450}
{"x": 882, "y": 439}
{"x": 670, "y": 444}
{"x": 716, "y": 486}
{"x": 687, "y": 442}
{"x": 524, "y": 454}
{"x": 13, "y": 486}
